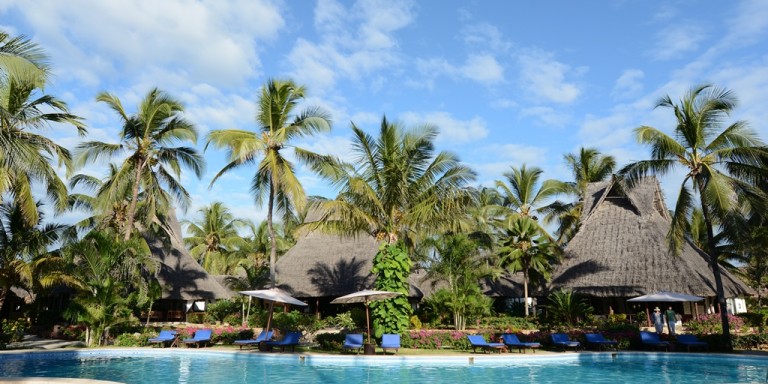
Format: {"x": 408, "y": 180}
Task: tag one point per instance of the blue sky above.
{"x": 507, "y": 82}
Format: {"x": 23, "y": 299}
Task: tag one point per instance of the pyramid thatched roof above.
{"x": 180, "y": 275}
{"x": 621, "y": 248}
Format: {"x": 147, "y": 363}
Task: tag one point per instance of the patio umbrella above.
{"x": 365, "y": 297}
{"x": 273, "y": 295}
{"x": 664, "y": 296}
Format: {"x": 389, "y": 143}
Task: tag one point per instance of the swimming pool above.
{"x": 182, "y": 366}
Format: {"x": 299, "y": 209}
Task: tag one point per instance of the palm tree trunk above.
{"x": 134, "y": 200}
{"x": 525, "y": 291}
{"x": 716, "y": 271}
{"x": 272, "y": 240}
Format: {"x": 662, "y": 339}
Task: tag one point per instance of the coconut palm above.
{"x": 522, "y": 192}
{"x": 25, "y": 250}
{"x": 525, "y": 247}
{"x": 396, "y": 187}
{"x": 586, "y": 166}
{"x": 720, "y": 164}
{"x": 214, "y": 236}
{"x": 147, "y": 137}
{"x": 22, "y": 60}
{"x": 278, "y": 125}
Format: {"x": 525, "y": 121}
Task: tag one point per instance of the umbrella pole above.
{"x": 248, "y": 313}
{"x": 269, "y": 318}
{"x": 368, "y": 321}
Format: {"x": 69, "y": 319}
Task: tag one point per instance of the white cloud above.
{"x": 677, "y": 40}
{"x": 452, "y": 130}
{"x": 486, "y": 36}
{"x": 610, "y": 131}
{"x": 628, "y": 84}
{"x": 749, "y": 23}
{"x": 544, "y": 77}
{"x": 483, "y": 69}
{"x": 547, "y": 116}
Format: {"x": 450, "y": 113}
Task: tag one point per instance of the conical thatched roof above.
{"x": 180, "y": 275}
{"x": 621, "y": 248}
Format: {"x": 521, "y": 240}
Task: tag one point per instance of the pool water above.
{"x": 178, "y": 366}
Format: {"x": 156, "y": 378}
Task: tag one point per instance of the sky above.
{"x": 506, "y": 82}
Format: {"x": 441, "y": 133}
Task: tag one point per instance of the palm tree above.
{"x": 275, "y": 178}
{"x": 587, "y": 166}
{"x": 22, "y": 60}
{"x": 522, "y": 192}
{"x": 397, "y": 187}
{"x": 152, "y": 163}
{"x": 25, "y": 249}
{"x": 25, "y": 156}
{"x": 525, "y": 247}
{"x": 720, "y": 164}
{"x": 214, "y": 236}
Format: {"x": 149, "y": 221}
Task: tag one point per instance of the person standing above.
{"x": 658, "y": 320}
{"x": 671, "y": 320}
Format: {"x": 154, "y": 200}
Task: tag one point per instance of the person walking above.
{"x": 658, "y": 320}
{"x": 671, "y": 320}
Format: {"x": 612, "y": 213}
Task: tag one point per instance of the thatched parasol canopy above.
{"x": 621, "y": 248}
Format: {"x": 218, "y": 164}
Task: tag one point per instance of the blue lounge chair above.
{"x": 652, "y": 339}
{"x": 291, "y": 339}
{"x": 390, "y": 341}
{"x": 691, "y": 341}
{"x": 511, "y": 340}
{"x": 353, "y": 341}
{"x": 166, "y": 337}
{"x": 599, "y": 341}
{"x": 263, "y": 336}
{"x": 562, "y": 340}
{"x": 477, "y": 341}
{"x": 201, "y": 337}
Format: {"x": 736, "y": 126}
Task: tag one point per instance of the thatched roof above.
{"x": 180, "y": 275}
{"x": 621, "y": 248}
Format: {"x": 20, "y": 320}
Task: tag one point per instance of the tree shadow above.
{"x": 341, "y": 278}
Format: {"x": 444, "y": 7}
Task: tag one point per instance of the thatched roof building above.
{"x": 621, "y": 248}
{"x": 181, "y": 277}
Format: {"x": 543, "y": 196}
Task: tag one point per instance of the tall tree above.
{"x": 721, "y": 163}
{"x": 278, "y": 125}
{"x": 147, "y": 137}
{"x": 22, "y": 60}
{"x": 397, "y": 187}
{"x": 214, "y": 236}
{"x": 586, "y": 166}
{"x": 525, "y": 247}
{"x": 522, "y": 192}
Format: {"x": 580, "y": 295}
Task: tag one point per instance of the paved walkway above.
{"x": 34, "y": 342}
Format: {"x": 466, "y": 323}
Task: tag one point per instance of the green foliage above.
{"x": 228, "y": 335}
{"x": 711, "y": 324}
{"x": 330, "y": 341}
{"x": 219, "y": 310}
{"x": 342, "y": 321}
{"x": 13, "y": 330}
{"x": 131, "y": 340}
{"x": 565, "y": 307}
{"x": 425, "y": 339}
{"x": 755, "y": 319}
{"x": 196, "y": 317}
{"x": 392, "y": 267}
{"x": 294, "y": 320}
{"x": 507, "y": 324}
{"x": 469, "y": 301}
{"x": 416, "y": 323}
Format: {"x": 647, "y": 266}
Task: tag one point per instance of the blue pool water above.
{"x": 179, "y": 366}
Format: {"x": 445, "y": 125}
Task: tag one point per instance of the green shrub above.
{"x": 425, "y": 339}
{"x": 196, "y": 318}
{"x": 131, "y": 340}
{"x": 415, "y": 323}
{"x": 755, "y": 319}
{"x": 507, "y": 324}
{"x": 342, "y": 320}
{"x": 330, "y": 341}
{"x": 294, "y": 320}
{"x": 235, "y": 319}
{"x": 711, "y": 324}
{"x": 13, "y": 330}
{"x": 219, "y": 310}
{"x": 228, "y": 335}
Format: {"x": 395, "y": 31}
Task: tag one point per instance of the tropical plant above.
{"x": 565, "y": 307}
{"x": 26, "y": 252}
{"x": 275, "y": 179}
{"x": 153, "y": 162}
{"x": 22, "y": 60}
{"x": 392, "y": 267}
{"x": 586, "y": 166}
{"x": 107, "y": 272}
{"x": 522, "y": 192}
{"x": 525, "y": 247}
{"x": 721, "y": 165}
{"x": 214, "y": 236}
{"x": 459, "y": 262}
{"x": 396, "y": 188}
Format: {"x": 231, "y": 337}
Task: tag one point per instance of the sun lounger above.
{"x": 477, "y": 341}
{"x": 691, "y": 341}
{"x": 201, "y": 337}
{"x": 263, "y": 336}
{"x": 511, "y": 340}
{"x": 390, "y": 341}
{"x": 166, "y": 337}
{"x": 652, "y": 339}
{"x": 599, "y": 341}
{"x": 291, "y": 339}
{"x": 562, "y": 340}
{"x": 353, "y": 341}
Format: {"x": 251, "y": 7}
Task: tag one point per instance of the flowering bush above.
{"x": 711, "y": 324}
{"x": 426, "y": 339}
